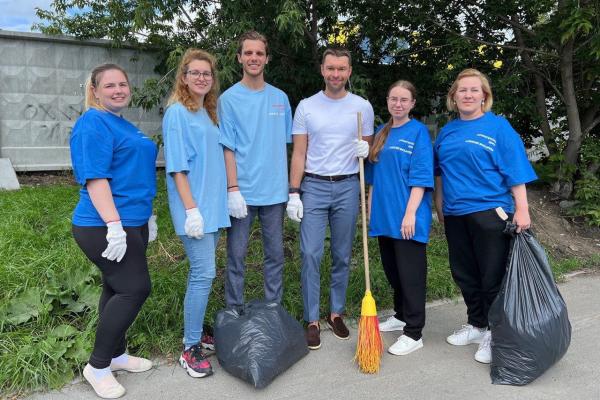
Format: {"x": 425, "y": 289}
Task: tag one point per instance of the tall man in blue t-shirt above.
{"x": 256, "y": 122}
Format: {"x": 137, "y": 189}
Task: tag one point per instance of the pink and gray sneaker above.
{"x": 194, "y": 361}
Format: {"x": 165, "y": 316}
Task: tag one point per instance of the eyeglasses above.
{"x": 401, "y": 100}
{"x": 197, "y": 74}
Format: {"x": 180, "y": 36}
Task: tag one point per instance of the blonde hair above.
{"x": 485, "y": 86}
{"x": 92, "y": 83}
{"x": 383, "y": 134}
{"x": 181, "y": 92}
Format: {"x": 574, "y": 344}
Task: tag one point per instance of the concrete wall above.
{"x": 41, "y": 94}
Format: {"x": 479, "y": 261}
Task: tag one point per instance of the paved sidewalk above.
{"x": 438, "y": 371}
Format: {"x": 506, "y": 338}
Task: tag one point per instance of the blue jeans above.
{"x": 201, "y": 253}
{"x": 271, "y": 222}
{"x": 335, "y": 203}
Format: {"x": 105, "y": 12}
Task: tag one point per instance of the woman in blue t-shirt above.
{"x": 400, "y": 172}
{"x": 115, "y": 165}
{"x": 481, "y": 169}
{"x": 196, "y": 185}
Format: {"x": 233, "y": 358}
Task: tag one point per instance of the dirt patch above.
{"x": 46, "y": 178}
{"x": 562, "y": 236}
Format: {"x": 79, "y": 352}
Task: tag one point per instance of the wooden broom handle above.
{"x": 363, "y": 207}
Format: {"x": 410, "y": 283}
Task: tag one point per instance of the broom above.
{"x": 369, "y": 346}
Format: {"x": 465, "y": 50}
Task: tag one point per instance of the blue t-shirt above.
{"x": 256, "y": 125}
{"x": 479, "y": 161}
{"x": 104, "y": 145}
{"x": 192, "y": 146}
{"x": 405, "y": 161}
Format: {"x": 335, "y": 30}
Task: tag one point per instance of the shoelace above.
{"x": 464, "y": 329}
{"x": 196, "y": 353}
{"x": 487, "y": 341}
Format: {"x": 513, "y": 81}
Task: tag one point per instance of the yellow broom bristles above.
{"x": 369, "y": 346}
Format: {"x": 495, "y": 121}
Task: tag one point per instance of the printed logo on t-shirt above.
{"x": 277, "y": 110}
{"x": 404, "y": 146}
{"x": 484, "y": 141}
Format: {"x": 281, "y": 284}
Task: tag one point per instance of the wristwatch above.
{"x": 294, "y": 190}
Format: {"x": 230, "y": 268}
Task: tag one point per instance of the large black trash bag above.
{"x": 259, "y": 341}
{"x": 528, "y": 319}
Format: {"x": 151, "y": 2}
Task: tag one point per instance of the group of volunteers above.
{"x": 226, "y": 164}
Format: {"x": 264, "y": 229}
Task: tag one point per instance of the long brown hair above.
{"x": 383, "y": 134}
{"x": 181, "y": 92}
{"x": 92, "y": 82}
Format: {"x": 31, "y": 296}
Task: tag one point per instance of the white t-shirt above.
{"x": 332, "y": 127}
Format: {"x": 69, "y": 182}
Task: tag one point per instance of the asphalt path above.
{"x": 438, "y": 371}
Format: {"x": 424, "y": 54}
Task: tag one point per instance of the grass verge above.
{"x": 49, "y": 290}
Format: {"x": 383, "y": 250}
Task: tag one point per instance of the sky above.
{"x": 19, "y": 15}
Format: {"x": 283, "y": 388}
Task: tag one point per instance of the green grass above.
{"x": 49, "y": 290}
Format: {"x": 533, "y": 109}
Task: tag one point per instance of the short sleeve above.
{"x": 93, "y": 146}
{"x": 421, "y": 161}
{"x": 288, "y": 120}
{"x": 299, "y": 125}
{"x": 368, "y": 119}
{"x": 511, "y": 157}
{"x": 175, "y": 149}
{"x": 227, "y": 136}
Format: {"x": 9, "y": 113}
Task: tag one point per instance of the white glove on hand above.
{"x": 236, "y": 205}
{"x": 361, "y": 147}
{"x": 194, "y": 223}
{"x": 152, "y": 229}
{"x": 117, "y": 243}
{"x": 295, "y": 209}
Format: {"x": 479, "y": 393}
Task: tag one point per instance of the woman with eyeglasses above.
{"x": 400, "y": 172}
{"x": 481, "y": 167}
{"x": 197, "y": 190}
{"x": 114, "y": 162}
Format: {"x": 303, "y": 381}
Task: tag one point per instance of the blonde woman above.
{"x": 196, "y": 185}
{"x": 400, "y": 171}
{"x": 480, "y": 165}
{"x": 115, "y": 165}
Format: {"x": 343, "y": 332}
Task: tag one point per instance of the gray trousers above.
{"x": 271, "y": 223}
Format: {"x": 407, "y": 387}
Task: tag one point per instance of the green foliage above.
{"x": 554, "y": 168}
{"x": 49, "y": 290}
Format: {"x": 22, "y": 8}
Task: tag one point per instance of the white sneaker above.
{"x": 391, "y": 324}
{"x": 466, "y": 335}
{"x": 484, "y": 352}
{"x": 405, "y": 345}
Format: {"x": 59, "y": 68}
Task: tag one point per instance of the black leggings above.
{"x": 405, "y": 265}
{"x": 126, "y": 285}
{"x": 478, "y": 251}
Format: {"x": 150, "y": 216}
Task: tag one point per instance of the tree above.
{"x": 541, "y": 55}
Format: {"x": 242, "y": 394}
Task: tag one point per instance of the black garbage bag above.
{"x": 528, "y": 319}
{"x": 259, "y": 341}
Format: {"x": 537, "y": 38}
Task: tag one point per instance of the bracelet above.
{"x": 110, "y": 222}
{"x": 294, "y": 190}
{"x": 232, "y": 186}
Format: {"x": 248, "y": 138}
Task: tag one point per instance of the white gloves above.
{"x": 236, "y": 205}
{"x": 117, "y": 243}
{"x": 194, "y": 223}
{"x": 295, "y": 209}
{"x": 152, "y": 229}
{"x": 361, "y": 148}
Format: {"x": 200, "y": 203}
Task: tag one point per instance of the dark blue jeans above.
{"x": 271, "y": 223}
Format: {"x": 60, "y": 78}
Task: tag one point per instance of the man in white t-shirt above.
{"x": 324, "y": 186}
